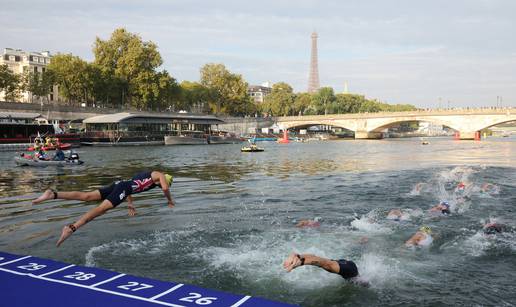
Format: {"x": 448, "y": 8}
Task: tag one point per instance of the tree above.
{"x": 280, "y": 101}
{"x": 193, "y": 96}
{"x": 323, "y": 98}
{"x": 302, "y": 102}
{"x": 38, "y": 84}
{"x": 134, "y": 62}
{"x": 9, "y": 83}
{"x": 227, "y": 92}
{"x": 73, "y": 76}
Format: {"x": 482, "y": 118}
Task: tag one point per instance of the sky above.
{"x": 459, "y": 53}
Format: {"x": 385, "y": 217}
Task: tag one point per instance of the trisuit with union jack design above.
{"x": 118, "y": 191}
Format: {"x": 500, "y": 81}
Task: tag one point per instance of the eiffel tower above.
{"x": 313, "y": 78}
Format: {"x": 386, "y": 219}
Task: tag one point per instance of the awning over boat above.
{"x": 153, "y": 118}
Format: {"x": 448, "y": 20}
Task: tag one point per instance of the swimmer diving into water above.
{"x": 111, "y": 196}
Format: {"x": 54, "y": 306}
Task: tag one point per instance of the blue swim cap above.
{"x": 445, "y": 203}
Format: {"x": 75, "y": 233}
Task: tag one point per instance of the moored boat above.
{"x": 29, "y": 161}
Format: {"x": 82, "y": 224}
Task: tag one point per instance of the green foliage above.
{"x": 226, "y": 92}
{"x": 194, "y": 97}
{"x": 302, "y": 102}
{"x": 9, "y": 83}
{"x": 131, "y": 65}
{"x": 323, "y": 100}
{"x": 280, "y": 102}
{"x": 73, "y": 76}
{"x": 38, "y": 84}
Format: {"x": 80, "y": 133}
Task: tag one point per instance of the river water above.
{"x": 235, "y": 216}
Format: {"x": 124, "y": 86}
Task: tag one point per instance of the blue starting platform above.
{"x": 31, "y": 281}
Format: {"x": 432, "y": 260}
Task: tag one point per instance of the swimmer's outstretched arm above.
{"x": 130, "y": 206}
{"x": 166, "y": 190}
{"x": 296, "y": 260}
{"x": 68, "y": 230}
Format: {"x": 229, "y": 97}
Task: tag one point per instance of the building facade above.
{"x": 20, "y": 62}
{"x": 259, "y": 92}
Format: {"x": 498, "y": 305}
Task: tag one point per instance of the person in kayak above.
{"x": 111, "y": 196}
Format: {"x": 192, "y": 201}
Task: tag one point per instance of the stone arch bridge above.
{"x": 370, "y": 125}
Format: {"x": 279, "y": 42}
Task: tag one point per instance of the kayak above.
{"x": 63, "y": 146}
{"x": 21, "y": 161}
{"x": 251, "y": 149}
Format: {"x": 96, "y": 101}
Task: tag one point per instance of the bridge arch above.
{"x": 290, "y": 125}
{"x": 380, "y": 125}
{"x": 495, "y": 121}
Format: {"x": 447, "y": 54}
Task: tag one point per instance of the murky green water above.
{"x": 234, "y": 220}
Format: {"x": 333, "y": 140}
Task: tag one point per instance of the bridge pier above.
{"x": 368, "y": 135}
{"x": 469, "y": 135}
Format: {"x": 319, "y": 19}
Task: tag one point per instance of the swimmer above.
{"x": 443, "y": 207}
{"x": 421, "y": 238}
{"x": 398, "y": 215}
{"x": 394, "y": 214}
{"x": 489, "y": 188}
{"x": 345, "y": 268}
{"x": 492, "y": 228}
{"x": 460, "y": 187}
{"x": 111, "y": 196}
{"x": 309, "y": 223}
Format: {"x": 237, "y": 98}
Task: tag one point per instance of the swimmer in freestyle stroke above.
{"x": 443, "y": 207}
{"x": 345, "y": 268}
{"x": 111, "y": 196}
{"x": 423, "y": 237}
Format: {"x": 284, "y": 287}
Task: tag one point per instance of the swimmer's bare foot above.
{"x": 292, "y": 262}
{"x": 48, "y": 194}
{"x": 68, "y": 230}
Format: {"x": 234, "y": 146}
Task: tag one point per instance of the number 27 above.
{"x": 131, "y": 284}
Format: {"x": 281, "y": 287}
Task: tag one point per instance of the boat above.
{"x": 224, "y": 138}
{"x": 198, "y": 138}
{"x": 252, "y": 148}
{"x": 134, "y": 129}
{"x": 51, "y": 144}
{"x": 425, "y": 143}
{"x": 27, "y": 160}
{"x": 18, "y": 130}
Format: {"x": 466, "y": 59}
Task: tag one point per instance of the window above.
{"x": 35, "y": 58}
{"x": 12, "y": 58}
{"x": 35, "y": 69}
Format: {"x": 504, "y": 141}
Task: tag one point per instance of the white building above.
{"x": 20, "y": 61}
{"x": 259, "y": 92}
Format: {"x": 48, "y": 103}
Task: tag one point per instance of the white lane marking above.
{"x": 107, "y": 291}
{"x": 107, "y": 280}
{"x": 167, "y": 292}
{"x": 240, "y": 302}
{"x": 55, "y": 271}
{"x": 15, "y": 260}
{"x": 14, "y": 272}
